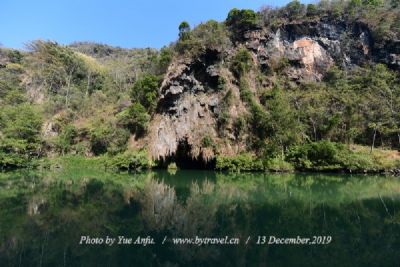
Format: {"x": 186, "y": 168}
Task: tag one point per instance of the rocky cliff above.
{"x": 304, "y": 50}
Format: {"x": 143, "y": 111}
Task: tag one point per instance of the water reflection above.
{"x": 43, "y": 215}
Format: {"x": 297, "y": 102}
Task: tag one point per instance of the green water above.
{"x": 44, "y": 214}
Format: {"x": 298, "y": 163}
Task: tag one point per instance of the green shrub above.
{"x": 15, "y": 56}
{"x": 278, "y": 65}
{"x": 15, "y": 154}
{"x": 20, "y": 141}
{"x": 163, "y": 60}
{"x": 223, "y": 115}
{"x": 326, "y": 155}
{"x": 135, "y": 118}
{"x": 145, "y": 91}
{"x": 129, "y": 161}
{"x": 294, "y": 9}
{"x": 272, "y": 149}
{"x": 65, "y": 139}
{"x": 118, "y": 142}
{"x": 312, "y": 10}
{"x": 82, "y": 148}
{"x": 239, "y": 126}
{"x": 21, "y": 122}
{"x": 329, "y": 156}
{"x": 9, "y": 83}
{"x": 242, "y": 162}
{"x": 14, "y": 97}
{"x": 258, "y": 118}
{"x": 107, "y": 138}
{"x": 221, "y": 83}
{"x": 241, "y": 62}
{"x": 240, "y": 21}
{"x": 207, "y": 36}
{"x": 207, "y": 141}
{"x": 358, "y": 162}
{"x": 100, "y": 136}
{"x": 322, "y": 155}
{"x": 279, "y": 165}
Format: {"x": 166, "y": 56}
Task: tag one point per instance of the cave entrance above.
{"x": 184, "y": 160}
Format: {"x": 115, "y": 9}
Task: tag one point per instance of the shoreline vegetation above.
{"x": 94, "y": 102}
{"x": 315, "y": 157}
{"x": 325, "y": 157}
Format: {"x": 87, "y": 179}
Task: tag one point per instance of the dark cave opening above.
{"x": 201, "y": 71}
{"x": 210, "y": 57}
{"x": 184, "y": 160}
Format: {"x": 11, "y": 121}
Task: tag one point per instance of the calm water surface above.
{"x": 43, "y": 216}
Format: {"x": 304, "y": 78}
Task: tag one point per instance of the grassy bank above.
{"x": 321, "y": 156}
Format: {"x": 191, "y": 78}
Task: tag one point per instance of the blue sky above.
{"x": 124, "y": 23}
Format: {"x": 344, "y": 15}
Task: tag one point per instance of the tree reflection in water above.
{"x": 43, "y": 215}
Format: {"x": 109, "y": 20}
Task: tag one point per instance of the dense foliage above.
{"x": 83, "y": 99}
{"x": 211, "y": 35}
{"x": 93, "y": 99}
{"x": 20, "y": 139}
{"x": 129, "y": 161}
{"x": 243, "y": 162}
{"x": 240, "y": 21}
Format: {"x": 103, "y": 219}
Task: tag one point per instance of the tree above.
{"x": 375, "y": 127}
{"x": 312, "y": 10}
{"x": 21, "y": 122}
{"x": 240, "y": 21}
{"x": 11, "y": 91}
{"x": 211, "y": 35}
{"x": 15, "y": 56}
{"x": 135, "y": 118}
{"x": 20, "y": 140}
{"x": 65, "y": 139}
{"x": 284, "y": 127}
{"x": 145, "y": 91}
{"x": 312, "y": 104}
{"x": 294, "y": 9}
{"x": 163, "y": 60}
{"x": 57, "y": 66}
{"x": 184, "y": 30}
{"x": 105, "y": 137}
{"x": 62, "y": 74}
{"x": 320, "y": 155}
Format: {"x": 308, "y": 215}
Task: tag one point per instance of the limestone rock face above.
{"x": 310, "y": 48}
{"x": 304, "y": 51}
{"x": 50, "y": 129}
{"x": 187, "y": 109}
{"x": 308, "y": 60}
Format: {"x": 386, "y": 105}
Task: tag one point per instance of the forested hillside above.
{"x": 302, "y": 87}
